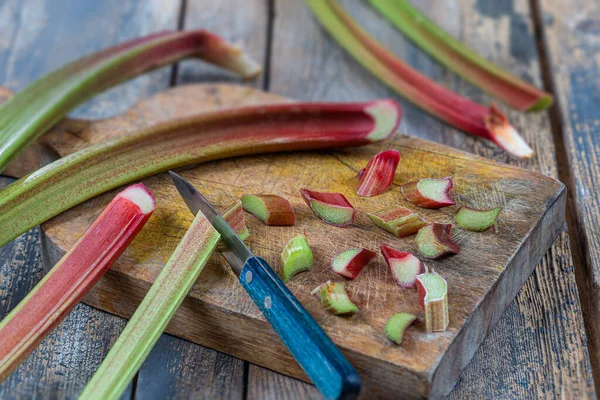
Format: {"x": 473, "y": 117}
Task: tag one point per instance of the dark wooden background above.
{"x": 539, "y": 349}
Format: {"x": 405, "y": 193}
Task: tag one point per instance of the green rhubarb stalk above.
{"x": 336, "y": 300}
{"x": 477, "y": 220}
{"x": 397, "y": 325}
{"x": 204, "y": 137}
{"x": 73, "y": 276}
{"x": 461, "y": 59}
{"x": 296, "y": 257}
{"x": 46, "y": 101}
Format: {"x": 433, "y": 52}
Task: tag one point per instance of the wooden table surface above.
{"x": 546, "y": 345}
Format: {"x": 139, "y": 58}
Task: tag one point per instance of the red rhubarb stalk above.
{"x": 404, "y": 266}
{"x": 397, "y": 220}
{"x": 73, "y": 276}
{"x": 379, "y": 174}
{"x": 460, "y": 112}
{"x": 332, "y": 208}
{"x": 271, "y": 209}
{"x": 204, "y": 137}
{"x": 42, "y": 104}
{"x": 434, "y": 241}
{"x": 350, "y": 262}
{"x": 429, "y": 193}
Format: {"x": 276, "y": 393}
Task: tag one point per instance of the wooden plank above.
{"x": 306, "y": 64}
{"x": 243, "y": 22}
{"x": 38, "y": 36}
{"x": 572, "y": 39}
{"x": 270, "y": 385}
{"x": 218, "y": 306}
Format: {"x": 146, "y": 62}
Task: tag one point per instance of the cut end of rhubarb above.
{"x": 296, "y": 257}
{"x": 386, "y": 115}
{"x": 271, "y": 209}
{"x": 404, "y": 266}
{"x": 433, "y": 298}
{"x": 336, "y": 300}
{"x": 429, "y": 193}
{"x": 477, "y": 220}
{"x": 398, "y": 220}
{"x": 245, "y": 65}
{"x": 434, "y": 241}
{"x": 351, "y": 262}
{"x": 139, "y": 195}
{"x": 397, "y": 325}
{"x": 332, "y": 208}
{"x": 234, "y": 216}
{"x": 379, "y": 174}
{"x": 505, "y": 135}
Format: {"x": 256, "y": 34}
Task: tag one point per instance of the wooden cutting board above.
{"x": 483, "y": 279}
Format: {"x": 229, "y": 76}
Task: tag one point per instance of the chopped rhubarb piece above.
{"x": 73, "y": 276}
{"x": 429, "y": 193}
{"x": 477, "y": 220}
{"x": 433, "y": 298}
{"x": 397, "y": 325}
{"x": 379, "y": 174}
{"x": 269, "y": 208}
{"x": 296, "y": 257}
{"x": 351, "y": 262}
{"x": 434, "y": 241}
{"x": 336, "y": 300}
{"x": 404, "y": 266}
{"x": 332, "y": 208}
{"x": 397, "y": 220}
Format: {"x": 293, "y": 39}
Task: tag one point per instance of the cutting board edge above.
{"x": 513, "y": 278}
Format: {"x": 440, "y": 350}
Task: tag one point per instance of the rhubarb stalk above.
{"x": 397, "y": 220}
{"x": 350, "y": 262}
{"x": 434, "y": 241}
{"x": 336, "y": 300}
{"x": 154, "y": 312}
{"x": 295, "y": 257}
{"x": 271, "y": 209}
{"x": 209, "y": 136}
{"x": 429, "y": 193}
{"x": 332, "y": 208}
{"x": 42, "y": 104}
{"x": 477, "y": 220}
{"x": 433, "y": 298}
{"x": 450, "y": 107}
{"x": 404, "y": 266}
{"x": 73, "y": 276}
{"x": 461, "y": 59}
{"x": 379, "y": 174}
{"x": 397, "y": 325}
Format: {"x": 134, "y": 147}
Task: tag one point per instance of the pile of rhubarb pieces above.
{"x": 433, "y": 240}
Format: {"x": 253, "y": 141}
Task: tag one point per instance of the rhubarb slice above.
{"x": 379, "y": 174}
{"x": 429, "y": 193}
{"x": 336, "y": 300}
{"x": 271, "y": 209}
{"x": 332, "y": 208}
{"x": 351, "y": 262}
{"x": 462, "y": 113}
{"x": 397, "y": 325}
{"x": 154, "y": 312}
{"x": 73, "y": 276}
{"x": 404, "y": 266}
{"x": 461, "y": 59}
{"x": 235, "y": 218}
{"x": 477, "y": 220}
{"x": 296, "y": 257}
{"x": 205, "y": 137}
{"x": 42, "y": 104}
{"x": 433, "y": 298}
{"x": 397, "y": 220}
{"x": 434, "y": 241}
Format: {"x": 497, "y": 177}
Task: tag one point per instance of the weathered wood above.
{"x": 218, "y": 307}
{"x": 265, "y": 384}
{"x": 572, "y": 40}
{"x": 306, "y": 64}
{"x": 37, "y": 37}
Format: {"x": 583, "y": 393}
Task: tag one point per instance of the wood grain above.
{"x": 572, "y": 39}
{"x": 308, "y": 65}
{"x": 38, "y": 36}
{"x": 217, "y": 304}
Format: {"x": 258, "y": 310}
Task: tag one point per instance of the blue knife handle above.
{"x": 318, "y": 356}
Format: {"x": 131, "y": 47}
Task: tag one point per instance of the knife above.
{"x": 318, "y": 356}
